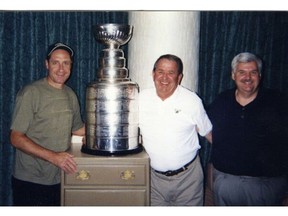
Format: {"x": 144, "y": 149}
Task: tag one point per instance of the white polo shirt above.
{"x": 169, "y": 127}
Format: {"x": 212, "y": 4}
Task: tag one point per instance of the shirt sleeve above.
{"x": 203, "y": 122}
{"x": 23, "y": 110}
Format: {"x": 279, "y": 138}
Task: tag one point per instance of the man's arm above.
{"x": 79, "y": 132}
{"x": 209, "y": 137}
{"x": 62, "y": 160}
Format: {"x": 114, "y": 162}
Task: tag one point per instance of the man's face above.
{"x": 166, "y": 78}
{"x": 247, "y": 77}
{"x": 59, "y": 68}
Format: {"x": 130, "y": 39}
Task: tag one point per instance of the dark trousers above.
{"x": 232, "y": 190}
{"x": 31, "y": 194}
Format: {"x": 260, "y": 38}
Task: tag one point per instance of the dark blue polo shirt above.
{"x": 250, "y": 140}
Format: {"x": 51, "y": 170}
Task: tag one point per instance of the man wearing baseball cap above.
{"x": 62, "y": 46}
{"x": 46, "y": 114}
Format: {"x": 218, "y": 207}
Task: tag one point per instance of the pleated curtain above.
{"x": 25, "y": 36}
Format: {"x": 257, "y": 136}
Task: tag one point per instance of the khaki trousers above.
{"x": 184, "y": 189}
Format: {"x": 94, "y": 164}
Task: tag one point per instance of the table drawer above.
{"x": 102, "y": 197}
{"x": 108, "y": 175}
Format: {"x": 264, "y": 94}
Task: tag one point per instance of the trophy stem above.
{"x": 112, "y": 46}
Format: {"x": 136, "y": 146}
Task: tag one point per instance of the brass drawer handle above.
{"x": 83, "y": 175}
{"x": 127, "y": 175}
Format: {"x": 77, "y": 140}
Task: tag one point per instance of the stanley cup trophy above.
{"x": 112, "y": 100}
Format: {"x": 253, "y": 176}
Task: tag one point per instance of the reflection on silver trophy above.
{"x": 112, "y": 100}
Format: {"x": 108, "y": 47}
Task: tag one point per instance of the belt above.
{"x": 176, "y": 172}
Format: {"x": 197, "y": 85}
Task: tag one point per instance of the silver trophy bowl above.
{"x": 112, "y": 35}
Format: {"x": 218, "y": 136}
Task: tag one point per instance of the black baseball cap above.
{"x": 58, "y": 45}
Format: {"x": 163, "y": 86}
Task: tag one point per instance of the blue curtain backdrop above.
{"x": 26, "y": 35}
{"x": 225, "y": 34}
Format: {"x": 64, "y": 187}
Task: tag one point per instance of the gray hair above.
{"x": 246, "y": 57}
